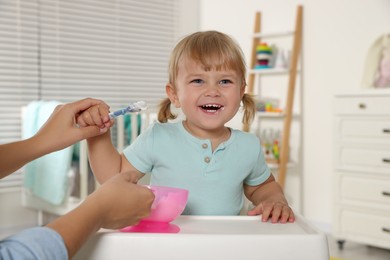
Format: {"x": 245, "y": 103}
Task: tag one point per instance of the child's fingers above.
{"x": 96, "y": 117}
{"x": 286, "y": 215}
{"x": 291, "y": 216}
{"x": 282, "y": 213}
{"x": 87, "y": 118}
{"x": 254, "y": 212}
{"x": 276, "y": 213}
{"x": 80, "y": 121}
{"x": 266, "y": 213}
{"x": 104, "y": 113}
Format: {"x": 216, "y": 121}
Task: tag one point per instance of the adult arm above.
{"x": 116, "y": 204}
{"x": 34, "y": 243}
{"x": 59, "y": 132}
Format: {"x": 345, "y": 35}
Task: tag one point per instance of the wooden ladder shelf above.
{"x": 292, "y": 73}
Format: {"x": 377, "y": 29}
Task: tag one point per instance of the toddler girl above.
{"x": 215, "y": 163}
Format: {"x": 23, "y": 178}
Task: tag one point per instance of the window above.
{"x": 117, "y": 51}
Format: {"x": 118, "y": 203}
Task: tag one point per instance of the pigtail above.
{"x": 249, "y": 106}
{"x": 165, "y": 113}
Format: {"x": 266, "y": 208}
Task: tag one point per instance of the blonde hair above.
{"x": 214, "y": 50}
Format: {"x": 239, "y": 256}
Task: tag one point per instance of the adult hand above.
{"x": 121, "y": 202}
{"x": 116, "y": 204}
{"x": 61, "y": 130}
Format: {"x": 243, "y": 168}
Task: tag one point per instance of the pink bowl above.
{"x": 168, "y": 204}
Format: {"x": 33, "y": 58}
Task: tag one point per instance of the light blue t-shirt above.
{"x": 40, "y": 243}
{"x": 215, "y": 181}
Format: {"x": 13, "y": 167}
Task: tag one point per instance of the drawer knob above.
{"x": 385, "y": 193}
{"x": 386, "y": 130}
{"x": 387, "y": 230}
{"x": 362, "y": 106}
{"x": 385, "y": 160}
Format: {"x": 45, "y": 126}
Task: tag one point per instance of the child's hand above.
{"x": 278, "y": 211}
{"x": 97, "y": 115}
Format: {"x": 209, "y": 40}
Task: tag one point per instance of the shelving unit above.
{"x": 291, "y": 72}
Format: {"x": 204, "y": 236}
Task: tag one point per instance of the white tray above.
{"x": 212, "y": 237}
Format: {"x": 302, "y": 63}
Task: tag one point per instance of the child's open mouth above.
{"x": 211, "y": 108}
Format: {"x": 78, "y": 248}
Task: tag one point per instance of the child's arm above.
{"x": 269, "y": 201}
{"x": 104, "y": 159}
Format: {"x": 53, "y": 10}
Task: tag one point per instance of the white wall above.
{"x": 189, "y": 17}
{"x": 337, "y": 35}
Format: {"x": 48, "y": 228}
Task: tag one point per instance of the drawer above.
{"x": 369, "y": 226}
{"x": 375, "y": 105}
{"x": 367, "y": 158}
{"x": 364, "y": 128}
{"x": 365, "y": 190}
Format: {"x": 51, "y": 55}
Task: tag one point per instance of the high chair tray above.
{"x": 213, "y": 237}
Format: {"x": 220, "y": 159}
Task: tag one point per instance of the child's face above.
{"x": 208, "y": 99}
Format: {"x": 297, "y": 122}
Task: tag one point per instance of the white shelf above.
{"x": 275, "y": 166}
{"x": 270, "y": 71}
{"x": 274, "y": 115}
{"x": 270, "y": 114}
{"x": 273, "y": 34}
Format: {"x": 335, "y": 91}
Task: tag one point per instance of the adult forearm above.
{"x": 15, "y": 155}
{"x": 77, "y": 226}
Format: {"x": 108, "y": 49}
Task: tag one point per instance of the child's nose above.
{"x": 212, "y": 90}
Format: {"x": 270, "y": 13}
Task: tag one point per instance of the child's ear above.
{"x": 171, "y": 93}
{"x": 242, "y": 90}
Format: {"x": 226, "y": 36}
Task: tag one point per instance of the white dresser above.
{"x": 362, "y": 168}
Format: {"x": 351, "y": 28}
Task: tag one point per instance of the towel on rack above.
{"x": 45, "y": 177}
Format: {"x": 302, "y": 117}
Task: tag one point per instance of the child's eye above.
{"x": 197, "y": 81}
{"x": 225, "y": 81}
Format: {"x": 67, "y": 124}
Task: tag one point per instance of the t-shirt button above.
{"x": 207, "y": 159}
{"x": 204, "y": 146}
